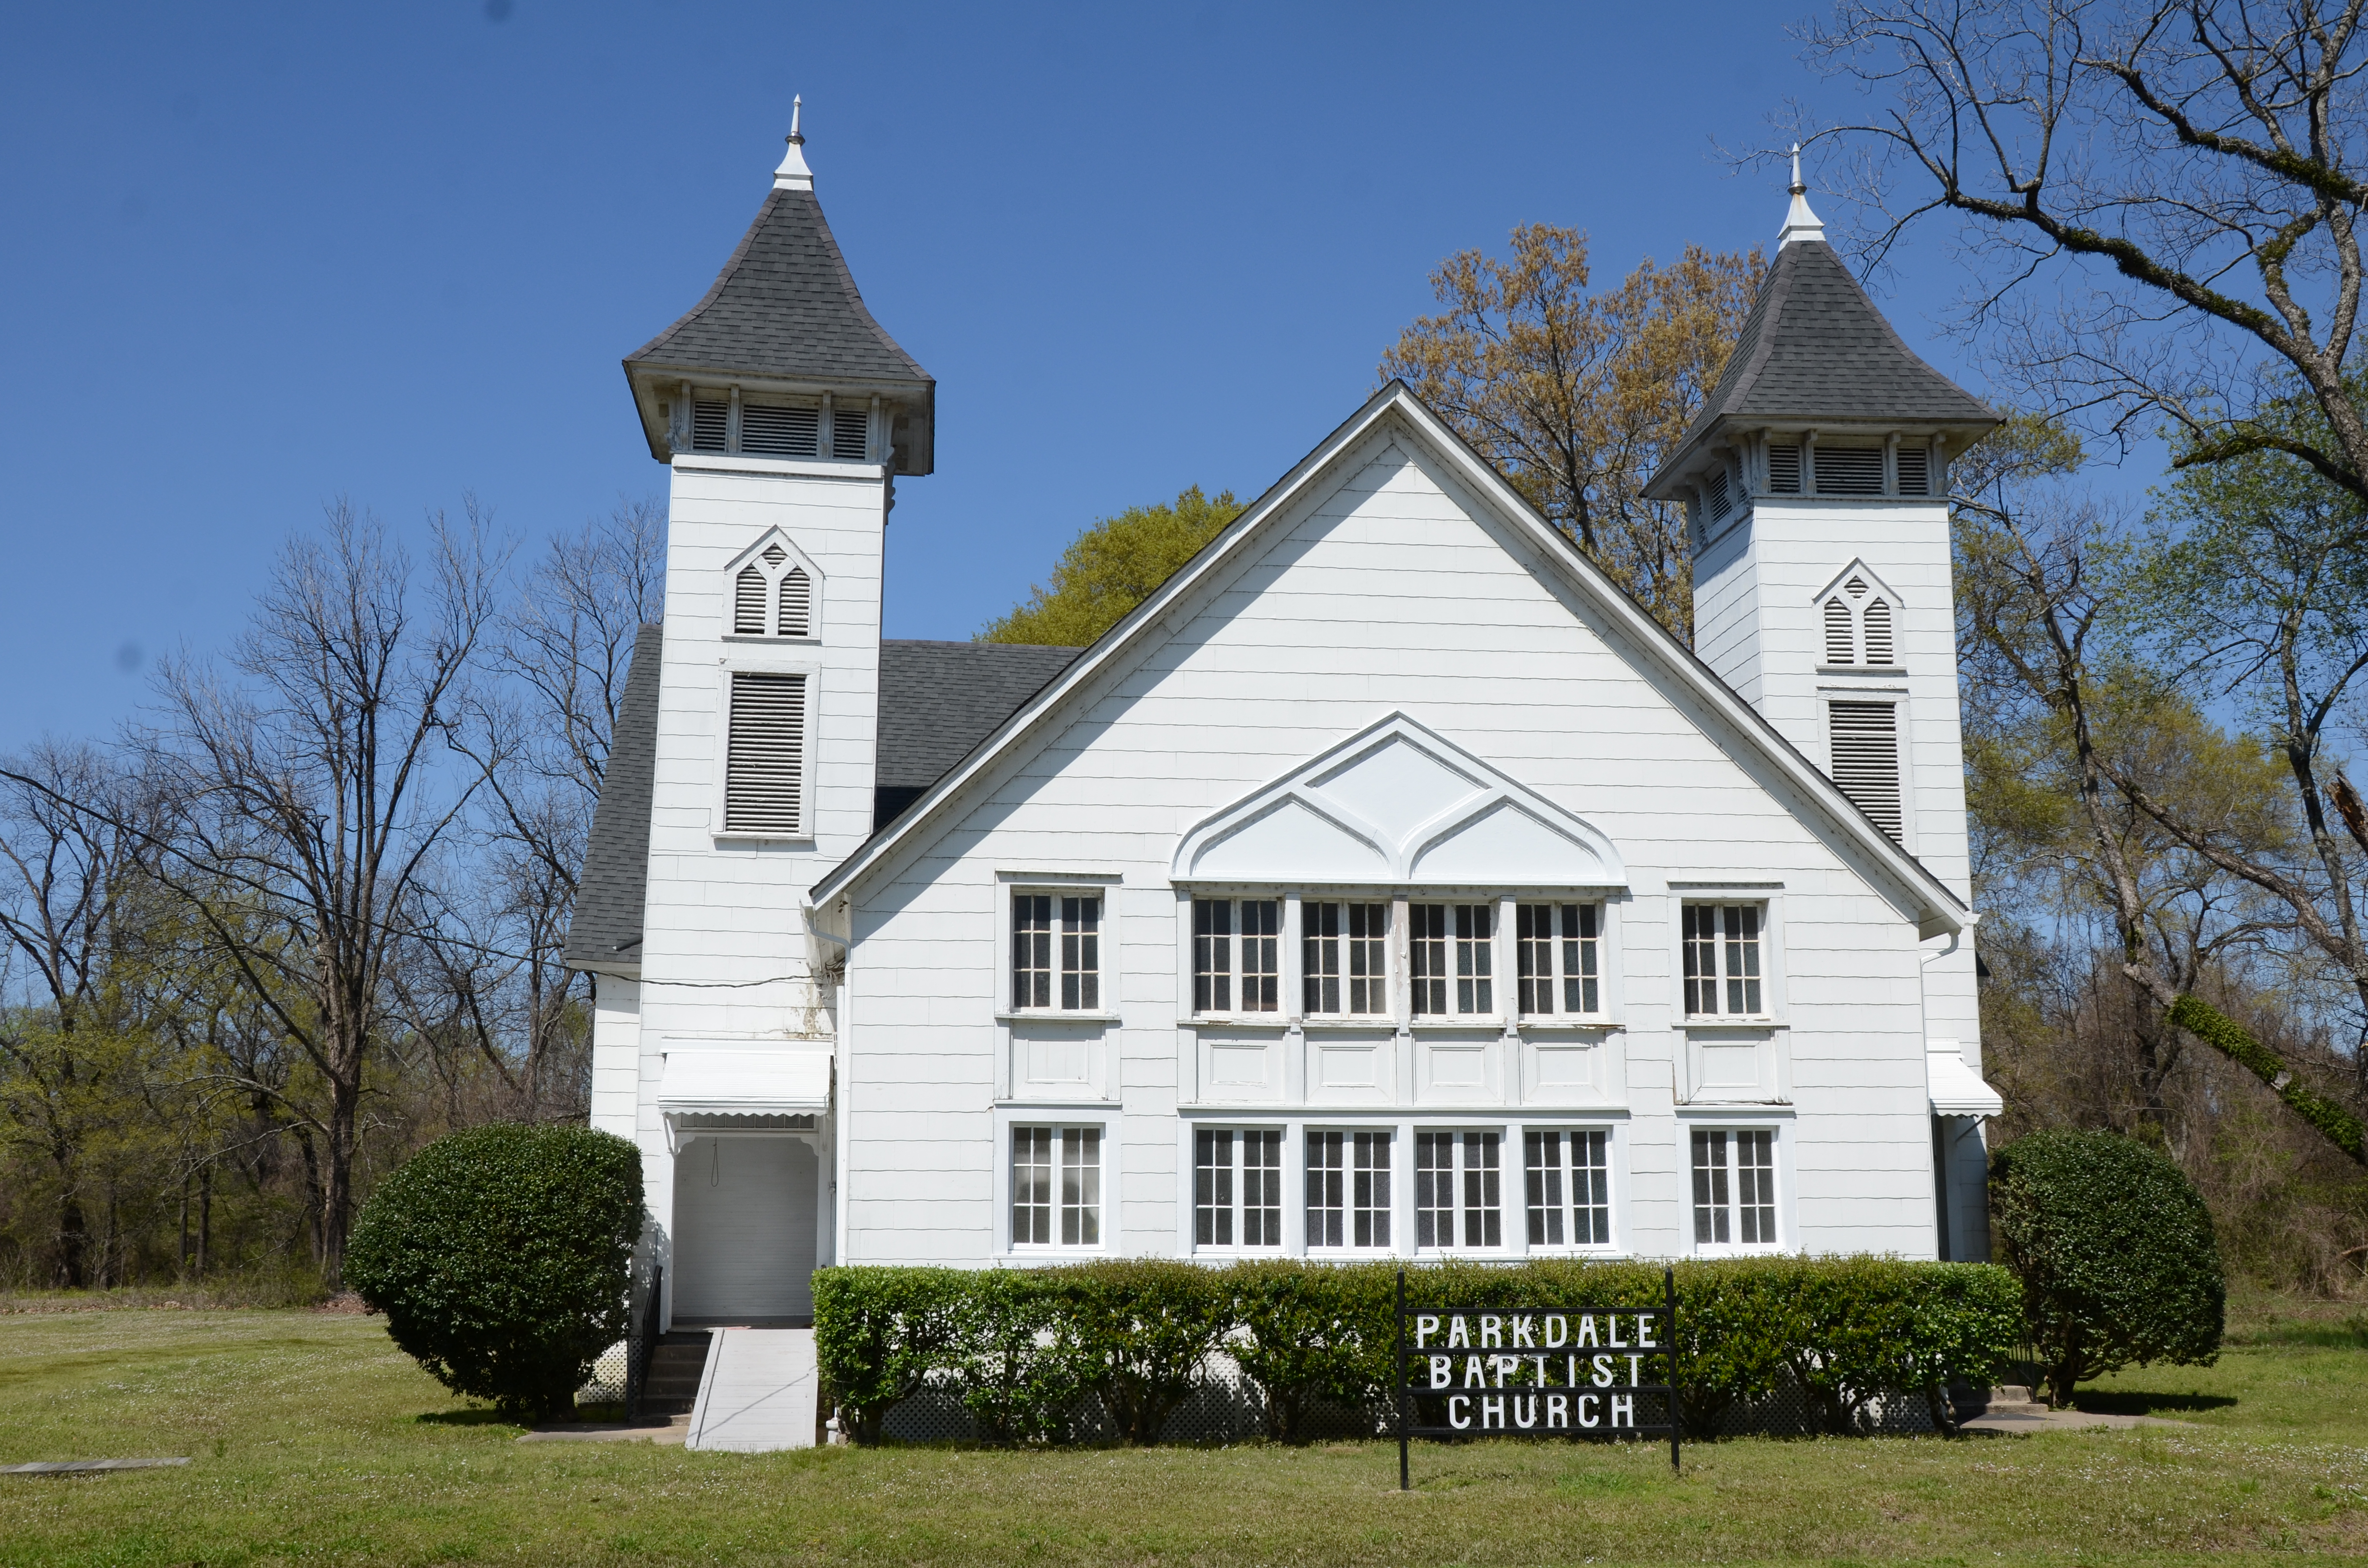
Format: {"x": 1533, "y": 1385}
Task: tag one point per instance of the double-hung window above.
{"x": 1237, "y": 1188}
{"x": 1348, "y": 1189}
{"x": 1056, "y": 952}
{"x": 1056, "y": 1187}
{"x": 1735, "y": 1188}
{"x": 1558, "y": 948}
{"x": 1458, "y": 1190}
{"x": 1451, "y": 954}
{"x": 1721, "y": 960}
{"x": 1569, "y": 1182}
{"x": 1236, "y": 955}
{"x": 1345, "y": 963}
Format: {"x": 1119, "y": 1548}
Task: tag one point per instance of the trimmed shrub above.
{"x": 2116, "y": 1255}
{"x": 501, "y": 1257}
{"x": 1029, "y": 1343}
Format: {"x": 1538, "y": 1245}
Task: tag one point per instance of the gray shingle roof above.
{"x": 606, "y": 931}
{"x": 937, "y": 701}
{"x": 785, "y": 306}
{"x": 1816, "y": 349}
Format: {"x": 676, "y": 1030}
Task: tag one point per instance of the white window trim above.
{"x": 1103, "y": 1117}
{"x": 1502, "y": 1003}
{"x": 1393, "y": 986}
{"x": 1769, "y": 896}
{"x": 1007, "y": 1008}
{"x": 1512, "y": 1218}
{"x": 1287, "y": 968}
{"x": 1876, "y": 589}
{"x": 1294, "y": 1185}
{"x": 808, "y": 665}
{"x": 1605, "y": 962}
{"x": 1294, "y": 1225}
{"x": 1730, "y": 1118}
{"x": 1615, "y": 1142}
{"x": 754, "y": 556}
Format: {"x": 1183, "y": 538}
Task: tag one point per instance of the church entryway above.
{"x": 743, "y": 1232}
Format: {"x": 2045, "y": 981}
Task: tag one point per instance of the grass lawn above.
{"x": 313, "y": 1440}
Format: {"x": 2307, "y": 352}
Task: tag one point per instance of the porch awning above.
{"x": 1956, "y": 1089}
{"x": 741, "y": 1079}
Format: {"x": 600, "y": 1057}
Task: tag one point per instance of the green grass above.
{"x": 313, "y": 1440}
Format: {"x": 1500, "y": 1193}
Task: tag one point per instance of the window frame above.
{"x": 1387, "y": 1013}
{"x": 1238, "y": 1130}
{"x": 1461, "y": 1181}
{"x": 1768, "y": 908}
{"x": 1009, "y": 1122}
{"x": 1779, "y": 1172}
{"x": 1236, "y": 973}
{"x": 728, "y": 587}
{"x": 1393, "y": 1209}
{"x": 1459, "y": 985}
{"x": 1010, "y": 1006}
{"x": 1615, "y": 1173}
{"x": 1558, "y": 952}
{"x": 809, "y": 764}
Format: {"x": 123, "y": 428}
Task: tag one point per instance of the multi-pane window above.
{"x": 1451, "y": 957}
{"x": 1236, "y": 953}
{"x": 1237, "y": 1188}
{"x": 1348, "y": 1189}
{"x": 1735, "y": 1188}
{"x": 1056, "y": 952}
{"x": 1559, "y": 951}
{"x": 1056, "y": 1187}
{"x": 1458, "y": 1195}
{"x": 1345, "y": 958}
{"x": 1569, "y": 1188}
{"x": 1721, "y": 960}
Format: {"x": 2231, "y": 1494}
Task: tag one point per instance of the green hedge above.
{"x": 1022, "y": 1348}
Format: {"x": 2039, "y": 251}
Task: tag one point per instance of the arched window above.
{"x": 772, "y": 596}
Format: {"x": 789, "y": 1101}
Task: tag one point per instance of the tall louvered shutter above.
{"x": 1784, "y": 469}
{"x": 1839, "y": 649}
{"x": 797, "y": 602}
{"x": 1721, "y": 502}
{"x": 1866, "y": 758}
{"x": 748, "y": 602}
{"x": 850, "y": 434}
{"x": 770, "y": 430}
{"x": 1878, "y": 633}
{"x": 1914, "y": 472}
{"x": 1841, "y": 471}
{"x": 764, "y": 767}
{"x": 708, "y": 424}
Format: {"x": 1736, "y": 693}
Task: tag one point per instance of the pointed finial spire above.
{"x": 1800, "y": 223}
{"x": 794, "y": 174}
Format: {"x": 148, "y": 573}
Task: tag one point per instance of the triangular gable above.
{"x": 1876, "y": 586}
{"x": 1935, "y": 908}
{"x": 1397, "y": 805}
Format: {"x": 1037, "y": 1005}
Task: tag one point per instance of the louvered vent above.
{"x": 1878, "y": 633}
{"x": 850, "y": 434}
{"x": 1915, "y": 471}
{"x": 1866, "y": 760}
{"x": 1839, "y": 641}
{"x": 1720, "y": 501}
{"x": 1785, "y": 470}
{"x": 764, "y": 767}
{"x": 1841, "y": 471}
{"x": 774, "y": 556}
{"x": 748, "y": 603}
{"x": 797, "y": 602}
{"x": 768, "y": 430}
{"x": 711, "y": 425}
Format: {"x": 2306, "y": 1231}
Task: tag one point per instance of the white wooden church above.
{"x": 1387, "y": 886}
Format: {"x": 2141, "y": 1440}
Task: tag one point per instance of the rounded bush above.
{"x": 2116, "y": 1252}
{"x": 501, "y": 1257}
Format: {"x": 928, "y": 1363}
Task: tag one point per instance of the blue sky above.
{"x": 258, "y": 257}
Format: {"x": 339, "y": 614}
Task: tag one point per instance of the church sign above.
{"x": 1560, "y": 1372}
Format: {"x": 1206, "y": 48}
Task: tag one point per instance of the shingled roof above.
{"x": 1814, "y": 349}
{"x": 937, "y": 701}
{"x": 606, "y": 931}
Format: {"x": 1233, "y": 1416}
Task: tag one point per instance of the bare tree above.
{"x": 311, "y": 786}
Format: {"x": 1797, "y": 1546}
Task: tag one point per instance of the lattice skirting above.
{"x": 607, "y": 1383}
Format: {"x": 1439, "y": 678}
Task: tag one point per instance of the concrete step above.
{"x": 677, "y": 1363}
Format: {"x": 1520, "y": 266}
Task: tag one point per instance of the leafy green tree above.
{"x": 1113, "y": 566}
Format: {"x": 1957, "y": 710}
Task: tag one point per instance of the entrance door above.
{"x": 743, "y": 1229}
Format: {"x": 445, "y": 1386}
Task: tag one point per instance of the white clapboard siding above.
{"x": 764, "y": 769}
{"x": 1866, "y": 758}
{"x": 797, "y": 603}
{"x": 748, "y": 603}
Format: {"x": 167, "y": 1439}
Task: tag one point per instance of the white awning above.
{"x": 740, "y": 1079}
{"x": 1956, "y": 1089}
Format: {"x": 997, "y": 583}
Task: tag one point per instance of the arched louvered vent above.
{"x": 1844, "y": 471}
{"x": 748, "y": 603}
{"x": 851, "y": 432}
{"x": 797, "y": 601}
{"x": 1915, "y": 471}
{"x": 1838, "y": 634}
{"x": 1866, "y": 760}
{"x": 770, "y": 430}
{"x": 711, "y": 425}
{"x": 1784, "y": 469}
{"x": 764, "y": 770}
{"x": 1878, "y": 633}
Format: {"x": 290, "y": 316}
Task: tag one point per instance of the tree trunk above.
{"x": 337, "y": 1198}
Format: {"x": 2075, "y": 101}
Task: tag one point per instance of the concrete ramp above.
{"x": 758, "y": 1392}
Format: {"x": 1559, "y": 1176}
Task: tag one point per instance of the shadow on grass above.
{"x": 2136, "y": 1402}
{"x": 466, "y": 1418}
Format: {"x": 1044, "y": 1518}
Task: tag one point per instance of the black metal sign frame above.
{"x": 1569, "y": 1372}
